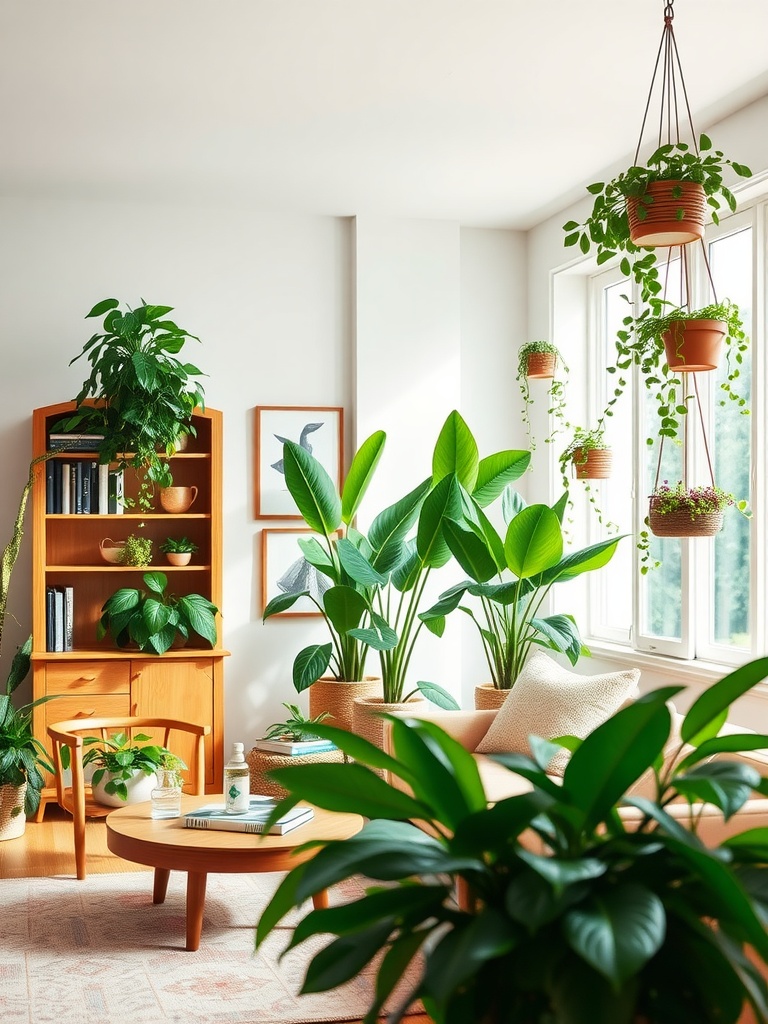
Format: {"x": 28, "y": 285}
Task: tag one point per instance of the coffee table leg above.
{"x": 161, "y": 884}
{"x": 195, "y": 902}
{"x": 320, "y": 899}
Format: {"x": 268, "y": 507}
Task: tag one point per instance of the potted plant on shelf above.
{"x": 136, "y": 551}
{"x": 179, "y": 550}
{"x": 154, "y": 620}
{"x": 126, "y": 768}
{"x": 536, "y": 360}
{"x": 576, "y": 913}
{"x": 144, "y": 395}
{"x": 682, "y": 511}
{"x": 510, "y": 580}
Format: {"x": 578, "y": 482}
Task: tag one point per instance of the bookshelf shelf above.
{"x": 93, "y": 679}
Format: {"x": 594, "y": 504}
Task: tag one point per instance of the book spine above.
{"x": 72, "y": 488}
{"x": 58, "y": 619}
{"x": 94, "y": 488}
{"x": 50, "y": 469}
{"x": 79, "y": 488}
{"x": 120, "y": 491}
{"x": 104, "y": 491}
{"x": 49, "y": 619}
{"x": 291, "y": 750}
{"x": 56, "y": 487}
{"x": 66, "y": 491}
{"x": 86, "y": 485}
{"x": 69, "y": 618}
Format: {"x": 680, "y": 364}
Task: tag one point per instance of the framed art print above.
{"x": 319, "y": 430}
{"x": 285, "y": 570}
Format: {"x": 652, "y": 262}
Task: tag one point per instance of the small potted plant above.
{"x": 126, "y": 767}
{"x": 589, "y": 455}
{"x": 136, "y": 551}
{"x": 154, "y": 620}
{"x": 542, "y": 360}
{"x": 682, "y": 511}
{"x": 179, "y": 550}
{"x": 138, "y": 394}
{"x": 296, "y": 727}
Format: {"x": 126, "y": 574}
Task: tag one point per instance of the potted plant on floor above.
{"x": 126, "y": 768}
{"x": 682, "y": 511}
{"x": 575, "y": 913}
{"x": 154, "y": 620}
{"x": 144, "y": 395}
{"x": 510, "y": 580}
{"x": 537, "y": 360}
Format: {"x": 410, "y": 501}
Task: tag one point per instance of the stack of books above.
{"x": 83, "y": 487}
{"x": 214, "y": 816}
{"x": 294, "y": 748}
{"x": 59, "y": 618}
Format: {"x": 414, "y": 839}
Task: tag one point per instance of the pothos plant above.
{"x": 583, "y": 441}
{"x": 555, "y": 389}
{"x": 144, "y": 395}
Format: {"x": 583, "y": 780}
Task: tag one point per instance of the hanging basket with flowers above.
{"x": 682, "y": 511}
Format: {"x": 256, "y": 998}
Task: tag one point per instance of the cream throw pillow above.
{"x": 548, "y": 700}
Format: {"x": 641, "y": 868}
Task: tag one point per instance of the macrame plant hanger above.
{"x": 673, "y": 89}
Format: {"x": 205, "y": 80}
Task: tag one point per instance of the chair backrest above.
{"x": 185, "y": 739}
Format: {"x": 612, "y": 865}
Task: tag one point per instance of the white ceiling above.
{"x": 487, "y": 112}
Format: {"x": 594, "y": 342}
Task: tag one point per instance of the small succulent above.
{"x": 179, "y": 546}
{"x": 296, "y": 727}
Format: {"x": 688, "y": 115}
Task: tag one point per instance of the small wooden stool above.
{"x": 262, "y": 761}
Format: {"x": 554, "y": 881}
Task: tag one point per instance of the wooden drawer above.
{"x": 88, "y": 677}
{"x": 86, "y": 706}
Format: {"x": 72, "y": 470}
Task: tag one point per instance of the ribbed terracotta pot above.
{"x": 693, "y": 345}
{"x": 541, "y": 364}
{"x": 337, "y": 697}
{"x": 13, "y": 821}
{"x": 675, "y": 215}
{"x": 680, "y": 524}
{"x": 596, "y": 464}
{"x": 488, "y": 698}
{"x": 368, "y": 723}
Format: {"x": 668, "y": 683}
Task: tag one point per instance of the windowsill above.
{"x": 702, "y": 672}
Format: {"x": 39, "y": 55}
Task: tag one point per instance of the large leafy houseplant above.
{"x": 511, "y": 578}
{"x": 119, "y": 757}
{"x": 379, "y": 578}
{"x": 579, "y": 914}
{"x": 153, "y": 619}
{"x": 145, "y": 395}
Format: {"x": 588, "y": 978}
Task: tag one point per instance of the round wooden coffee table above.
{"x": 166, "y": 845}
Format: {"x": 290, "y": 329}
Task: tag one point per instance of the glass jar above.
{"x": 166, "y": 796}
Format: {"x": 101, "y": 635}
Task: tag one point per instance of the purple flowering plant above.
{"x": 696, "y": 501}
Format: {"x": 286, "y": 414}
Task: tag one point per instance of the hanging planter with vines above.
{"x": 541, "y": 360}
{"x": 588, "y": 457}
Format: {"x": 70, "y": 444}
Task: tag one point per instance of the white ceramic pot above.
{"x": 12, "y": 818}
{"x": 139, "y": 788}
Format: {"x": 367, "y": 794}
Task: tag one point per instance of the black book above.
{"x": 94, "y": 471}
{"x": 56, "y": 487}
{"x": 49, "y": 485}
{"x": 86, "y": 486}
{"x": 49, "y": 617}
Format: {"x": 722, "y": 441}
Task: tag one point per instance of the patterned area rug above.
{"x": 99, "y": 952}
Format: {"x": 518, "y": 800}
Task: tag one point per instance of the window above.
{"x": 702, "y": 600}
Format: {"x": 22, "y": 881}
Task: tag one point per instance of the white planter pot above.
{"x": 139, "y": 788}
{"x": 12, "y": 818}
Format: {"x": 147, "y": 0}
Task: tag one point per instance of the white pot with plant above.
{"x": 126, "y": 768}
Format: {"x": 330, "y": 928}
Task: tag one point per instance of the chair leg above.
{"x": 78, "y": 821}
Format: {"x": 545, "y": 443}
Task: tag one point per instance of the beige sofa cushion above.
{"x": 547, "y": 700}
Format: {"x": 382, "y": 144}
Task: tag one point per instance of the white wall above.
{"x": 272, "y": 298}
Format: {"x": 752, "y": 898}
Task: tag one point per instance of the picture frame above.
{"x": 319, "y": 429}
{"x": 282, "y": 569}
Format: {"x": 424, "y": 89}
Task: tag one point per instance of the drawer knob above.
{"x": 87, "y": 679}
{"x": 86, "y": 714}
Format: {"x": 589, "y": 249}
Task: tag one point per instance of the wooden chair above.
{"x": 76, "y": 798}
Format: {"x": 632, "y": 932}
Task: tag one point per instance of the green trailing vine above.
{"x": 555, "y": 391}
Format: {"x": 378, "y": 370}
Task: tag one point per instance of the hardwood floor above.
{"x": 47, "y": 848}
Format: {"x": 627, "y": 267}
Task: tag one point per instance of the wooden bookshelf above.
{"x": 96, "y": 678}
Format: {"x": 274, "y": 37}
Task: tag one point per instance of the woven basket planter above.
{"x": 338, "y": 698}
{"x": 13, "y": 821}
{"x": 693, "y": 345}
{"x": 680, "y": 524}
{"x": 368, "y": 723}
{"x": 260, "y": 762}
{"x": 596, "y": 464}
{"x": 488, "y": 698}
{"x": 662, "y": 222}
{"x": 541, "y": 364}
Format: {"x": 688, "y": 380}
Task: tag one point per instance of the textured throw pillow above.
{"x": 548, "y": 700}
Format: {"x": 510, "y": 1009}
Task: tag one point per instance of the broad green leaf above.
{"x": 357, "y": 566}
{"x": 625, "y": 746}
{"x": 408, "y": 571}
{"x": 560, "y": 872}
{"x": 534, "y": 541}
{"x": 470, "y": 552}
{"x": 618, "y": 931}
{"x": 446, "y": 603}
{"x": 577, "y": 562}
{"x": 496, "y": 471}
{"x": 512, "y": 502}
{"x": 312, "y": 489}
{"x": 360, "y": 474}
{"x": 379, "y": 635}
{"x": 102, "y": 307}
{"x": 455, "y": 453}
{"x": 282, "y": 603}
{"x": 317, "y": 555}
{"x": 463, "y": 951}
{"x": 452, "y": 754}
{"x": 725, "y": 784}
{"x": 156, "y": 615}
{"x": 562, "y": 634}
{"x": 721, "y": 695}
{"x": 443, "y": 502}
{"x": 155, "y": 581}
{"x": 344, "y": 607}
{"x": 344, "y": 958}
{"x": 390, "y": 528}
{"x": 310, "y": 664}
{"x": 437, "y": 695}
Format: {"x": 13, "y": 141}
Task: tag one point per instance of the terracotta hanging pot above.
{"x": 488, "y": 698}
{"x": 675, "y": 215}
{"x": 541, "y": 365}
{"x": 681, "y": 524}
{"x": 337, "y": 697}
{"x": 594, "y": 464}
{"x": 693, "y": 345}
